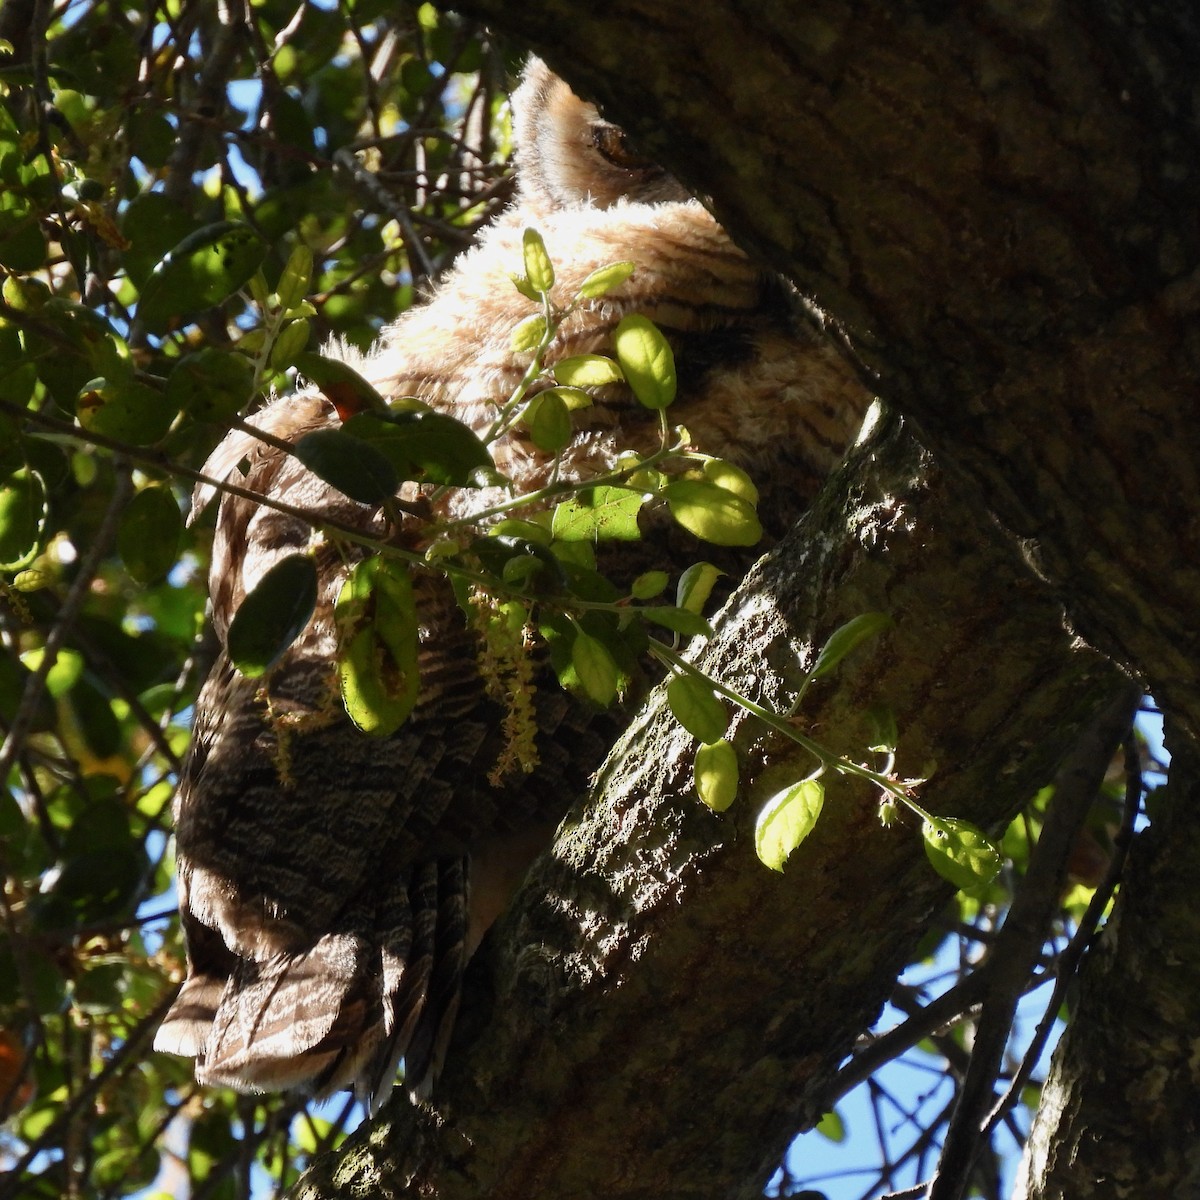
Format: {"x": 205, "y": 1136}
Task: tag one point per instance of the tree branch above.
{"x": 996, "y": 206}
{"x": 651, "y": 959}
{"x": 1012, "y": 959}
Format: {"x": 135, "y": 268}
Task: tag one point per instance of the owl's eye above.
{"x": 612, "y": 143}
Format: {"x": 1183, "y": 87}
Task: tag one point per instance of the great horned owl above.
{"x": 326, "y": 907}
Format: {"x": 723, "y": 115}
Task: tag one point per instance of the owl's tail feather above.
{"x": 340, "y": 1014}
{"x": 420, "y": 1006}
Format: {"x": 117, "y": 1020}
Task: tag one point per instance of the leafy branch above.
{"x": 533, "y": 552}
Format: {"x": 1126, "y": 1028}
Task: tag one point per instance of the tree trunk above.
{"x": 995, "y": 205}
{"x": 1133, "y": 1128}
{"x": 655, "y": 988}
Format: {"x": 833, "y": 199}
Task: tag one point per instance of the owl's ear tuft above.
{"x": 569, "y": 156}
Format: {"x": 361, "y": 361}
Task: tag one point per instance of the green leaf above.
{"x": 208, "y": 266}
{"x": 960, "y": 852}
{"x": 786, "y": 820}
{"x": 884, "y": 734}
{"x": 696, "y": 585}
{"x": 379, "y": 643}
{"x": 427, "y": 446}
{"x": 153, "y": 223}
{"x": 574, "y": 398}
{"x": 151, "y": 137}
{"x": 149, "y": 534}
{"x": 713, "y": 513}
{"x": 646, "y": 360}
{"x": 599, "y": 513}
{"x": 23, "y": 514}
{"x": 125, "y": 410}
{"x": 272, "y": 615}
{"x": 211, "y": 384}
{"x": 549, "y": 422}
{"x": 519, "y": 561}
{"x": 525, "y": 288}
{"x": 528, "y": 334}
{"x": 290, "y": 343}
{"x": 539, "y": 270}
{"x": 517, "y": 527}
{"x": 351, "y": 465}
{"x": 68, "y": 364}
{"x": 17, "y": 381}
{"x": 697, "y": 708}
{"x": 597, "y": 672}
{"x": 732, "y": 479}
{"x": 846, "y": 638}
{"x": 602, "y": 280}
{"x": 586, "y": 370}
{"x": 678, "y": 620}
{"x": 715, "y": 774}
{"x": 649, "y": 584}
{"x": 22, "y": 244}
{"x": 832, "y": 1127}
{"x": 341, "y": 384}
{"x": 294, "y": 280}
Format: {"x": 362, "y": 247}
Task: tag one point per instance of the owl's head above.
{"x": 569, "y": 155}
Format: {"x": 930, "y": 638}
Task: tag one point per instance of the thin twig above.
{"x": 89, "y": 566}
{"x": 1019, "y": 942}
{"x": 130, "y": 1049}
{"x": 1068, "y": 961}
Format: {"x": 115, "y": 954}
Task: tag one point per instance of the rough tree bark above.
{"x": 654, "y": 987}
{"x": 995, "y": 204}
{"x": 1133, "y": 1128}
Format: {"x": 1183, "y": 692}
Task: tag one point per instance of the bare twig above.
{"x": 1068, "y": 962}
{"x": 89, "y": 565}
{"x": 1019, "y": 943}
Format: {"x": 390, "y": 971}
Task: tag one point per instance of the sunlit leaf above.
{"x": 378, "y": 643}
{"x": 574, "y": 398}
{"x": 832, "y": 1127}
{"x": 586, "y": 370}
{"x": 290, "y": 343}
{"x": 848, "y": 637}
{"x": 598, "y": 514}
{"x": 538, "y": 268}
{"x": 595, "y": 668}
{"x": 696, "y": 585}
{"x": 602, "y": 281}
{"x": 713, "y": 513}
{"x": 295, "y": 277}
{"x": 696, "y": 708}
{"x": 960, "y": 852}
{"x": 528, "y": 334}
{"x": 646, "y": 360}
{"x": 649, "y": 584}
{"x": 786, "y": 820}
{"x": 715, "y": 774}
{"x": 731, "y": 478}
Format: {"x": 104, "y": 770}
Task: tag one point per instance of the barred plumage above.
{"x": 322, "y": 873}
